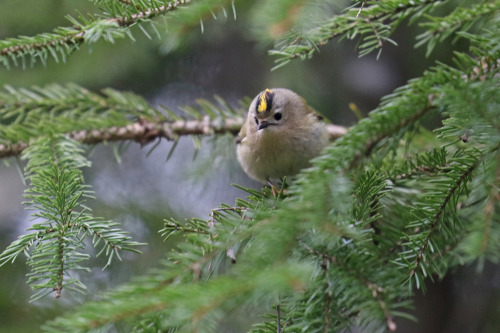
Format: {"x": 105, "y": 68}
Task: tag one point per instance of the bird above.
{"x": 280, "y": 136}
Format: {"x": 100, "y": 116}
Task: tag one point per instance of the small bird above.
{"x": 281, "y": 134}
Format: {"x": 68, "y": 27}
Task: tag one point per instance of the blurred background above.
{"x": 141, "y": 190}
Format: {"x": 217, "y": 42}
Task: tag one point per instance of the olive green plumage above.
{"x": 281, "y": 134}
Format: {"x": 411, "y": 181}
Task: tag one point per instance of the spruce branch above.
{"x": 320, "y": 201}
{"x": 147, "y": 131}
{"x": 196, "y": 302}
{"x": 111, "y": 115}
{"x": 190, "y": 277}
{"x": 149, "y": 13}
{"x": 318, "y": 189}
{"x": 417, "y": 171}
{"x": 91, "y": 118}
{"x": 490, "y": 209}
{"x": 366, "y": 22}
{"x": 56, "y": 194}
{"x": 440, "y": 28}
{"x": 114, "y": 23}
{"x": 348, "y": 279}
{"x": 29, "y": 113}
{"x": 372, "y": 143}
{"x": 461, "y": 175}
{"x": 126, "y": 2}
{"x": 63, "y": 41}
{"x": 428, "y": 164}
{"x": 334, "y": 263}
{"x": 406, "y": 106}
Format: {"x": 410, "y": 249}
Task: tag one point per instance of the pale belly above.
{"x": 274, "y": 158}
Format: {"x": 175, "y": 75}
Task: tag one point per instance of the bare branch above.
{"x": 146, "y": 131}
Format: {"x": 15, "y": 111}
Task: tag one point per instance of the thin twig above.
{"x": 375, "y": 32}
{"x": 361, "y": 8}
{"x": 129, "y": 20}
{"x": 278, "y": 309}
{"x": 126, "y": 2}
{"x": 489, "y": 209}
{"x": 420, "y": 170}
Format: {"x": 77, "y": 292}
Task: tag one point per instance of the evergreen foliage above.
{"x": 61, "y": 220}
{"x": 29, "y": 113}
{"x": 387, "y": 208}
{"x": 112, "y": 23}
{"x": 90, "y": 117}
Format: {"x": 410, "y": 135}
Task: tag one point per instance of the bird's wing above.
{"x": 315, "y": 113}
{"x": 242, "y": 134}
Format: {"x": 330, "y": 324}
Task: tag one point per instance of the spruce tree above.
{"x": 390, "y": 206}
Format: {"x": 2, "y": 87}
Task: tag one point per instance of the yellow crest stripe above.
{"x": 265, "y": 101}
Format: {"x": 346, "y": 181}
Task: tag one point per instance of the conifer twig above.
{"x": 370, "y": 144}
{"x": 126, "y": 21}
{"x": 437, "y": 216}
{"x": 126, "y": 2}
{"x": 375, "y": 289}
{"x": 278, "y": 319}
{"x": 489, "y": 208}
{"x": 77, "y": 34}
{"x": 374, "y": 12}
{"x": 146, "y": 131}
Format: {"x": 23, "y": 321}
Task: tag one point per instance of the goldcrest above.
{"x": 280, "y": 136}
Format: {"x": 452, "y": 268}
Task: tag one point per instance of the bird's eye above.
{"x": 277, "y": 116}
{"x": 256, "y": 120}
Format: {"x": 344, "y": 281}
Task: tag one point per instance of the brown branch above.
{"x": 147, "y": 131}
{"x": 417, "y": 171}
{"x": 126, "y": 2}
{"x": 60, "y": 271}
{"x": 61, "y": 230}
{"x": 375, "y": 32}
{"x": 129, "y": 3}
{"x": 361, "y": 8}
{"x": 129, "y": 20}
{"x": 13, "y": 149}
{"x": 75, "y": 39}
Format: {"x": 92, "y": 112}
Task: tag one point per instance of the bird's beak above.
{"x": 263, "y": 124}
